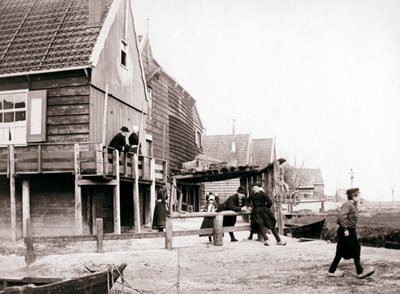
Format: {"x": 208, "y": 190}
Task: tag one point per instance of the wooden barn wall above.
{"x": 224, "y": 189}
{"x": 67, "y": 116}
{"x": 181, "y": 129}
{"x": 5, "y": 212}
{"x": 118, "y": 114}
{"x": 124, "y": 83}
{"x": 158, "y": 113}
{"x": 52, "y": 203}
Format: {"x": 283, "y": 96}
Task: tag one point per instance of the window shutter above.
{"x": 36, "y": 116}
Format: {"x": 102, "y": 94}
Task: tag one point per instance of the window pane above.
{"x": 8, "y": 102}
{"x": 1, "y": 117}
{"x": 19, "y": 100}
{"x": 20, "y": 116}
{"x": 1, "y": 102}
{"x": 9, "y": 117}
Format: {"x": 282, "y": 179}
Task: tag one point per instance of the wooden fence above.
{"x": 217, "y": 231}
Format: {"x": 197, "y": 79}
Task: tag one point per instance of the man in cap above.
{"x": 119, "y": 140}
{"x": 347, "y": 244}
{"x": 237, "y": 203}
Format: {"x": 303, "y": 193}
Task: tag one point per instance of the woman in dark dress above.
{"x": 208, "y": 221}
{"x": 160, "y": 210}
{"x": 261, "y": 216}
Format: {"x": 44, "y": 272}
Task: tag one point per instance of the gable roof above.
{"x": 219, "y": 147}
{"x": 263, "y": 149}
{"x": 309, "y": 177}
{"x": 42, "y": 35}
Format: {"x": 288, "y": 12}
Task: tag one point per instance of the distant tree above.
{"x": 292, "y": 177}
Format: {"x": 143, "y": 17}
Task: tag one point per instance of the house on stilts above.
{"x": 176, "y": 127}
{"x": 70, "y": 78}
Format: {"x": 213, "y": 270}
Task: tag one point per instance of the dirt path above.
{"x": 240, "y": 267}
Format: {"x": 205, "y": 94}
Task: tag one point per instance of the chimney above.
{"x": 96, "y": 12}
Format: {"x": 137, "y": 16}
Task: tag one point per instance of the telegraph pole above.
{"x": 351, "y": 177}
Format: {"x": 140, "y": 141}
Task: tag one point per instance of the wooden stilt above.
{"x": 152, "y": 200}
{"x": 26, "y": 212}
{"x": 13, "y": 204}
{"x": 99, "y": 226}
{"x": 117, "y": 196}
{"x": 136, "y": 205}
{"x": 30, "y": 256}
{"x": 78, "y": 192}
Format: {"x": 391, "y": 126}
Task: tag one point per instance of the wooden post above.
{"x": 99, "y": 159}
{"x": 278, "y": 200}
{"x": 99, "y": 227}
{"x": 104, "y": 128}
{"x": 218, "y": 233}
{"x": 168, "y": 233}
{"x": 39, "y": 158}
{"x": 165, "y": 171}
{"x": 26, "y": 214}
{"x": 152, "y": 199}
{"x": 13, "y": 204}
{"x": 322, "y": 206}
{"x": 136, "y": 204}
{"x": 78, "y": 192}
{"x": 29, "y": 253}
{"x": 116, "y": 196}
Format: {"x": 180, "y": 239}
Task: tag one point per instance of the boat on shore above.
{"x": 94, "y": 283}
{"x": 309, "y": 231}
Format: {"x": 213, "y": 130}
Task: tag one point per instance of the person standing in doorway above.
{"x": 347, "y": 243}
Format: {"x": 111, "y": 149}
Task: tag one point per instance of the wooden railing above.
{"x": 217, "y": 231}
{"x": 90, "y": 158}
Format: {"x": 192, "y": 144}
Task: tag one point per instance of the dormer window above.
{"x": 124, "y": 57}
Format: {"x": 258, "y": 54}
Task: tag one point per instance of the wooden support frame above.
{"x": 152, "y": 199}
{"x": 78, "y": 192}
{"x": 26, "y": 210}
{"x": 116, "y": 195}
{"x": 136, "y": 204}
{"x": 13, "y": 204}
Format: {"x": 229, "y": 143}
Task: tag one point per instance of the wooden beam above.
{"x": 13, "y": 204}
{"x": 88, "y": 182}
{"x": 278, "y": 199}
{"x": 218, "y": 233}
{"x": 168, "y": 233}
{"x": 116, "y": 196}
{"x": 78, "y": 192}
{"x": 99, "y": 159}
{"x": 30, "y": 256}
{"x": 99, "y": 226}
{"x": 152, "y": 204}
{"x": 26, "y": 210}
{"x": 136, "y": 207}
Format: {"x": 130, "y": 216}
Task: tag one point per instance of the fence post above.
{"x": 29, "y": 253}
{"x": 99, "y": 227}
{"x": 218, "y": 232}
{"x": 168, "y": 233}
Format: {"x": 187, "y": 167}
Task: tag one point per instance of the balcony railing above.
{"x": 87, "y": 159}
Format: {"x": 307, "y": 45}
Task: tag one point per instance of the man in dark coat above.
{"x": 134, "y": 140}
{"x": 261, "y": 216}
{"x": 119, "y": 140}
{"x": 237, "y": 203}
{"x": 347, "y": 243}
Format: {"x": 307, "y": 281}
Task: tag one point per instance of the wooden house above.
{"x": 237, "y": 150}
{"x": 174, "y": 122}
{"x": 311, "y": 184}
{"x": 70, "y": 78}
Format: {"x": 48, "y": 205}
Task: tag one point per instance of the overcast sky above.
{"x": 322, "y": 77}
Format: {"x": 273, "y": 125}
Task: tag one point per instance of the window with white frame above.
{"x": 13, "y": 106}
{"x": 22, "y": 116}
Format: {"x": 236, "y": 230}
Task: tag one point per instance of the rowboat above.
{"x": 95, "y": 283}
{"x": 311, "y": 231}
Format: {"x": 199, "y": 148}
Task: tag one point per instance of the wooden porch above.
{"x": 92, "y": 164}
